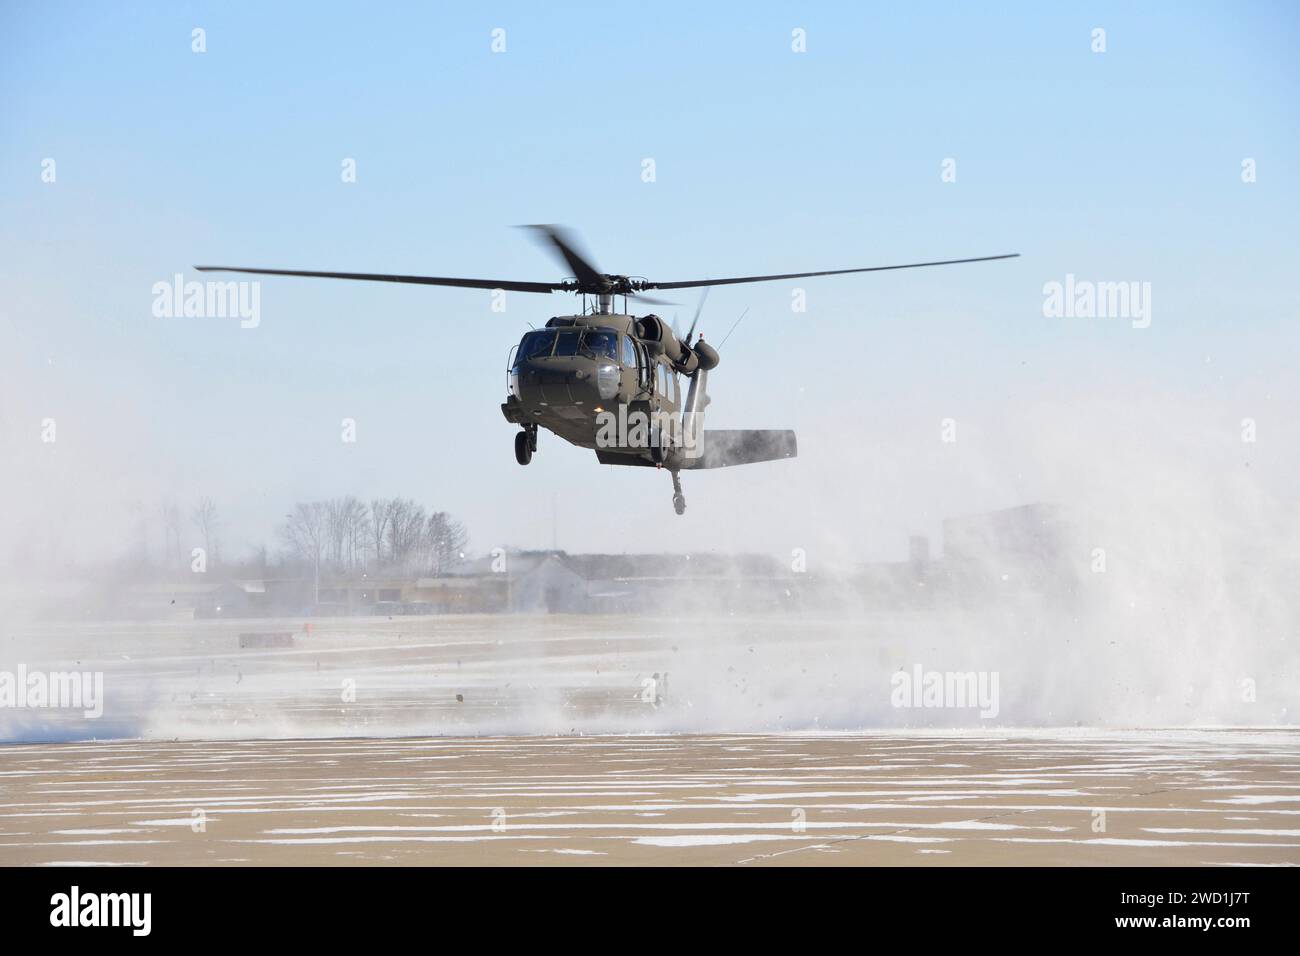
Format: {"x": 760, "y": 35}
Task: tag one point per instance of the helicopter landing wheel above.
{"x": 524, "y": 445}
{"x": 679, "y": 504}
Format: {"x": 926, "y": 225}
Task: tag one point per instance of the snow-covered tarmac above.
{"x": 517, "y": 740}
{"x": 1227, "y": 798}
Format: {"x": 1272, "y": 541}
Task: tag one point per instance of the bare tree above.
{"x": 204, "y": 519}
{"x": 446, "y": 539}
{"x": 305, "y": 532}
{"x": 356, "y": 524}
{"x": 380, "y": 514}
{"x": 394, "y": 533}
{"x": 336, "y": 533}
{"x": 347, "y": 522}
{"x": 405, "y": 532}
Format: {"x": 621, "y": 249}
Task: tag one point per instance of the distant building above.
{"x": 1031, "y": 549}
{"x": 560, "y": 583}
{"x": 196, "y": 596}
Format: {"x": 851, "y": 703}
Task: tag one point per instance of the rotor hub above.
{"x": 604, "y": 284}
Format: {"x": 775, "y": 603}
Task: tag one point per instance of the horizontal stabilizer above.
{"x": 722, "y": 448}
{"x": 743, "y": 446}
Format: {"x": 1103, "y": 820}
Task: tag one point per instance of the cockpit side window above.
{"x": 629, "y": 352}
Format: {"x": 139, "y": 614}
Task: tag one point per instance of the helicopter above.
{"x": 611, "y": 381}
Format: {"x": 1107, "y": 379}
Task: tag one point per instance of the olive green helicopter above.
{"x": 610, "y": 380}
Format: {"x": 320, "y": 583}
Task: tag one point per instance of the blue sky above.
{"x": 1123, "y": 165}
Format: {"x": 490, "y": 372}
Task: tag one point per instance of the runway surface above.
{"x": 918, "y": 798}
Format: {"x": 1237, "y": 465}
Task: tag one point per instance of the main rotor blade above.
{"x": 807, "y": 275}
{"x": 563, "y": 242}
{"x": 413, "y": 280}
{"x": 648, "y": 300}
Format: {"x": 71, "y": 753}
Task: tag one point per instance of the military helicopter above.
{"x": 611, "y": 380}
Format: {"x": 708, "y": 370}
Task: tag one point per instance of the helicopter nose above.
{"x": 580, "y": 381}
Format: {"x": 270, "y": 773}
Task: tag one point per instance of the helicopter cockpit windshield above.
{"x": 600, "y": 344}
{"x": 592, "y": 343}
{"x": 535, "y": 345}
